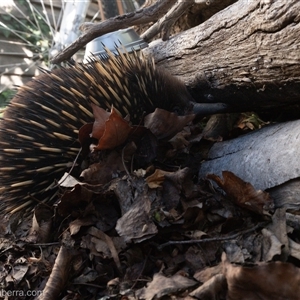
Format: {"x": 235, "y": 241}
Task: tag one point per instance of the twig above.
{"x": 142, "y": 16}
{"x": 167, "y": 21}
{"x": 214, "y": 239}
{"x": 43, "y": 244}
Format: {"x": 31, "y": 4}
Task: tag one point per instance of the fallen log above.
{"x": 267, "y": 158}
{"x": 246, "y": 55}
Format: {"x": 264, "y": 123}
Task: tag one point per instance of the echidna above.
{"x": 39, "y": 129}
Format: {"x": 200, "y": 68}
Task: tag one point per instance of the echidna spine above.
{"x": 38, "y": 133}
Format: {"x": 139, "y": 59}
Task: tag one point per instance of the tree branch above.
{"x": 166, "y": 23}
{"x": 142, "y": 16}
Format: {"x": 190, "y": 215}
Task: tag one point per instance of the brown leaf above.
{"x": 164, "y": 124}
{"x": 101, "y": 116}
{"x": 173, "y": 186}
{"x": 213, "y": 288}
{"x": 59, "y": 274}
{"x": 114, "y": 132}
{"x": 243, "y": 193}
{"x": 208, "y": 273}
{"x": 146, "y": 147}
{"x": 79, "y": 196}
{"x": 274, "y": 280}
{"x": 84, "y": 133}
{"x": 161, "y": 286}
{"x": 272, "y": 247}
{"x": 85, "y": 139}
{"x": 103, "y": 171}
{"x": 156, "y": 179}
{"x": 179, "y": 141}
{"x": 17, "y": 273}
{"x": 95, "y": 232}
{"x": 137, "y": 224}
{"x": 42, "y": 222}
{"x": 77, "y": 224}
{"x": 194, "y": 214}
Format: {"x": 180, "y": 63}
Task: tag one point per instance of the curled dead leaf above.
{"x": 101, "y": 116}
{"x": 243, "y": 193}
{"x": 164, "y": 124}
{"x": 273, "y": 280}
{"x": 156, "y": 179}
{"x": 161, "y": 286}
{"x": 42, "y": 222}
{"x": 109, "y": 128}
{"x": 72, "y": 200}
{"x": 59, "y": 274}
{"x": 103, "y": 171}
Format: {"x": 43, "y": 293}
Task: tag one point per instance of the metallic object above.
{"x": 126, "y": 38}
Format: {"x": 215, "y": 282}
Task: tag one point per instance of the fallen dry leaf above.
{"x": 103, "y": 171}
{"x": 68, "y": 181}
{"x": 77, "y": 224}
{"x": 70, "y": 201}
{"x": 271, "y": 245}
{"x": 146, "y": 147}
{"x": 279, "y": 228}
{"x": 42, "y": 222}
{"x": 100, "y": 236}
{"x": 156, "y": 179}
{"x": 101, "y": 116}
{"x": 164, "y": 124}
{"x": 265, "y": 281}
{"x": 114, "y": 132}
{"x": 214, "y": 288}
{"x": 161, "y": 286}
{"x": 136, "y": 224}
{"x": 17, "y": 272}
{"x": 243, "y": 193}
{"x": 59, "y": 274}
{"x": 208, "y": 273}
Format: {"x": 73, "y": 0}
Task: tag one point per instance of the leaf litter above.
{"x": 140, "y": 224}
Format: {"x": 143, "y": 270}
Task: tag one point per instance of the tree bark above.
{"x": 266, "y": 158}
{"x": 247, "y": 55}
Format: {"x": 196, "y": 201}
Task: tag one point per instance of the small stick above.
{"x": 214, "y": 239}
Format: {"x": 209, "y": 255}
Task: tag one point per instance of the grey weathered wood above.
{"x": 266, "y": 158}
{"x": 287, "y": 194}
